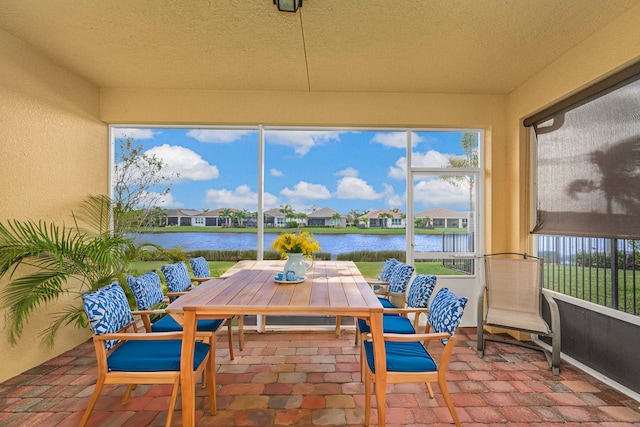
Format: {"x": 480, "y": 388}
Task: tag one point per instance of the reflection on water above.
{"x": 332, "y": 243}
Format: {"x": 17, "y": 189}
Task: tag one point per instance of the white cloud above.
{"x": 217, "y": 135}
{"x": 436, "y": 192}
{"x": 152, "y": 198}
{"x": 351, "y": 187}
{"x": 276, "y": 172}
{"x": 348, "y": 172}
{"x": 308, "y": 191}
{"x": 395, "y": 139}
{"x": 430, "y": 159}
{"x": 134, "y": 133}
{"x": 300, "y": 141}
{"x": 188, "y": 164}
{"x": 241, "y": 197}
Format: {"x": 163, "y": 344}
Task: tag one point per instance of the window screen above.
{"x": 588, "y": 165}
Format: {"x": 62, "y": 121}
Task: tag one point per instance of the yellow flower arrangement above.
{"x": 303, "y": 243}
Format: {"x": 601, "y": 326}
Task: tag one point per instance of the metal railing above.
{"x": 601, "y": 271}
{"x": 458, "y": 242}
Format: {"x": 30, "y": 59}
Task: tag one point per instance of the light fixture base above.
{"x": 288, "y": 5}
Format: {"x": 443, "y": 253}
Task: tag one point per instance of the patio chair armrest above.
{"x": 175, "y": 295}
{"x": 374, "y": 283}
{"x": 147, "y": 336}
{"x": 406, "y": 310}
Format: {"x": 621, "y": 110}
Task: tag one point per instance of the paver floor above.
{"x": 313, "y": 379}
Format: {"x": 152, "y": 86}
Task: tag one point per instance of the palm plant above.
{"x": 44, "y": 261}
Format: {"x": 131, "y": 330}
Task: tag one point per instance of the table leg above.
{"x": 186, "y": 370}
{"x": 380, "y": 358}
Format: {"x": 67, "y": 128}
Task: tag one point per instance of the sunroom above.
{"x": 73, "y": 72}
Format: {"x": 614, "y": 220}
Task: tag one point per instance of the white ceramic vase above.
{"x": 297, "y": 263}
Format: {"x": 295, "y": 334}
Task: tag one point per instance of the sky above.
{"x": 306, "y": 169}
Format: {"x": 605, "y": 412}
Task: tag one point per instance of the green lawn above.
{"x": 314, "y": 230}
{"x": 594, "y": 284}
{"x": 368, "y": 269}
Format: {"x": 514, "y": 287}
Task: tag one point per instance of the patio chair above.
{"x": 147, "y": 291}
{"x": 137, "y": 358}
{"x": 408, "y": 359}
{"x": 395, "y": 320}
{"x": 392, "y": 294}
{"x": 512, "y": 299}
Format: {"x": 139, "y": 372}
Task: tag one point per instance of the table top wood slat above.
{"x": 331, "y": 287}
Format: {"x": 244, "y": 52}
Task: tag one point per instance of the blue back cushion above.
{"x": 387, "y": 269}
{"x": 108, "y": 311}
{"x": 177, "y": 276}
{"x": 420, "y": 290}
{"x": 146, "y": 289}
{"x": 400, "y": 278}
{"x": 200, "y": 267}
{"x": 446, "y": 311}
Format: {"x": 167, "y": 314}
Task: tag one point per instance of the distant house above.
{"x": 274, "y": 218}
{"x": 211, "y": 218}
{"x": 325, "y": 217}
{"x": 181, "y": 217}
{"x": 445, "y": 218}
{"x": 372, "y": 219}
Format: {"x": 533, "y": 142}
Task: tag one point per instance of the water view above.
{"x": 332, "y": 243}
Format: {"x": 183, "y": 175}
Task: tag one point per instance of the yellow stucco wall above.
{"x": 53, "y": 152}
{"x": 615, "y": 46}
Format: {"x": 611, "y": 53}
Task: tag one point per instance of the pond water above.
{"x": 332, "y": 243}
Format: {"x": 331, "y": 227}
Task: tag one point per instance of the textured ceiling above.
{"x": 452, "y": 46}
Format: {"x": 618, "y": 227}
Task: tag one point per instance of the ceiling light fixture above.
{"x": 288, "y": 5}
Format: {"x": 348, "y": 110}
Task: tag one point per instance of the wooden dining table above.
{"x": 330, "y": 288}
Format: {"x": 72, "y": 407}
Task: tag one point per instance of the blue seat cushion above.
{"x": 152, "y": 356}
{"x": 169, "y": 324}
{"x": 386, "y": 303}
{"x": 403, "y": 357}
{"x": 391, "y": 324}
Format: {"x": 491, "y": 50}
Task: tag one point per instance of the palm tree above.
{"x": 43, "y": 261}
{"x": 469, "y": 144}
{"x": 239, "y": 217}
{"x": 302, "y": 218}
{"x": 352, "y": 216}
{"x": 383, "y": 217}
{"x": 336, "y": 218}
{"x": 225, "y": 214}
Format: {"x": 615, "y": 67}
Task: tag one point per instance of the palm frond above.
{"x": 73, "y": 314}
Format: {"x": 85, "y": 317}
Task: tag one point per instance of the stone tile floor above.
{"x": 313, "y": 379}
